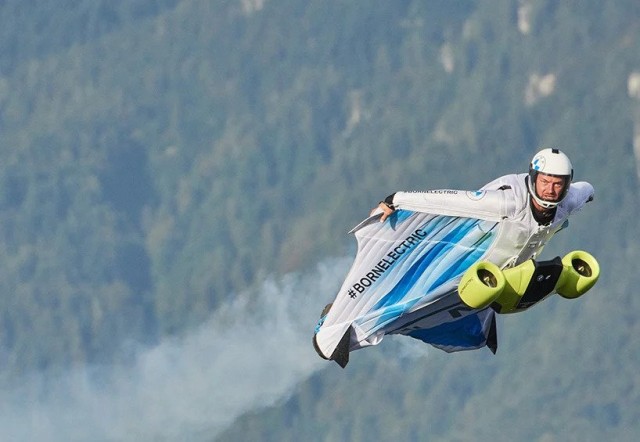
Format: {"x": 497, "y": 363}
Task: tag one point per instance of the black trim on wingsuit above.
{"x": 492, "y": 337}
{"x": 317, "y": 349}
{"x": 341, "y": 353}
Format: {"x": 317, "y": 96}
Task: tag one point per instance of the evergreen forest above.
{"x": 176, "y": 175}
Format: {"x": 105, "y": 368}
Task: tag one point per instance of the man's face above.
{"x": 548, "y": 187}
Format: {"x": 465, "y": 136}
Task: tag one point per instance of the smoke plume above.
{"x": 250, "y": 354}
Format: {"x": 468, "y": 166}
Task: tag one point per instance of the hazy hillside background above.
{"x": 176, "y": 182}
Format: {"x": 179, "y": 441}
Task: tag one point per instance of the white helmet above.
{"x": 554, "y": 163}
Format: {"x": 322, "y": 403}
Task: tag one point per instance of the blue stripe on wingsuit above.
{"x": 431, "y": 228}
{"x": 465, "y": 332}
{"x": 394, "y": 310}
{"x": 417, "y": 269}
{"x": 391, "y": 313}
{"x": 464, "y": 262}
{"x": 398, "y": 217}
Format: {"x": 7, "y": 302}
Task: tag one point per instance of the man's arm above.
{"x": 484, "y": 204}
{"x": 580, "y": 193}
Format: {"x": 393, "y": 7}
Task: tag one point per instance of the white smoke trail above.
{"x": 249, "y": 355}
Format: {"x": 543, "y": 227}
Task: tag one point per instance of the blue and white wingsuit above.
{"x": 406, "y": 272}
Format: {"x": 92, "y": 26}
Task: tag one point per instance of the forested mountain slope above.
{"x": 160, "y": 158}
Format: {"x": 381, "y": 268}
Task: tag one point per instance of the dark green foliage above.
{"x": 161, "y": 156}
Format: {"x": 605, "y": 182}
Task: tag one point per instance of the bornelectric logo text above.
{"x": 386, "y": 263}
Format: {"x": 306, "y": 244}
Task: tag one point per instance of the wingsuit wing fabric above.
{"x": 407, "y": 269}
{"x": 404, "y": 281}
